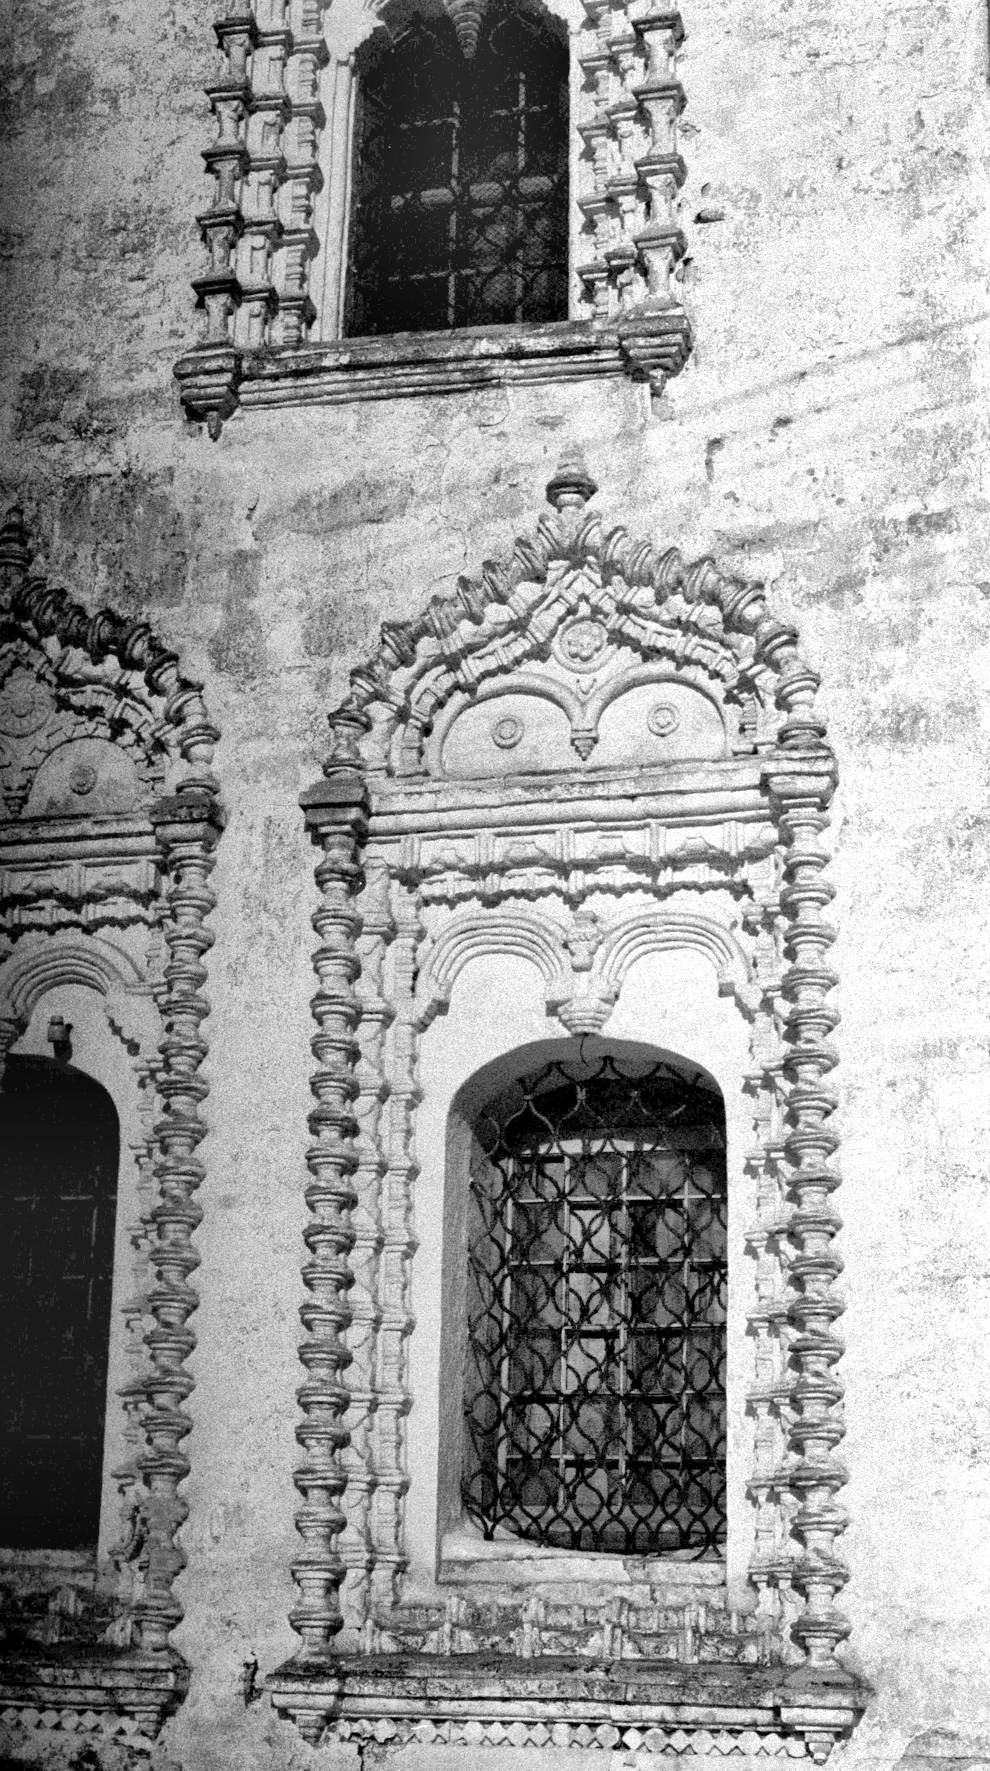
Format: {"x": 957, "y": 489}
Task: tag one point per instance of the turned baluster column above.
{"x": 11, "y": 1028}
{"x": 817, "y": 1427}
{"x": 622, "y": 256}
{"x": 336, "y": 817}
{"x": 661, "y": 96}
{"x": 266, "y": 169}
{"x": 302, "y": 172}
{"x": 595, "y": 130}
{"x": 226, "y": 158}
{"x": 186, "y": 827}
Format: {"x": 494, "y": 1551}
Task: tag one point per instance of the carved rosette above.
{"x": 121, "y": 688}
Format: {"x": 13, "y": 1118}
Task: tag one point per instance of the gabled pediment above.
{"x": 586, "y": 650}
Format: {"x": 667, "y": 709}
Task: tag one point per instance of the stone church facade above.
{"x": 493, "y": 755}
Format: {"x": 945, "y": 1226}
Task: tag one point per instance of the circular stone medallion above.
{"x": 663, "y": 719}
{"x": 82, "y": 778}
{"x": 581, "y": 643}
{"x": 506, "y": 732}
{"x": 24, "y": 705}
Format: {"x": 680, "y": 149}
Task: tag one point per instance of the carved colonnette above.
{"x": 672, "y": 797}
{"x": 108, "y": 824}
{"x": 272, "y": 291}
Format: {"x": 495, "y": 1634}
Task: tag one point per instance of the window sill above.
{"x": 489, "y": 1700}
{"x": 466, "y": 1557}
{"x": 648, "y": 345}
{"x": 84, "y": 1691}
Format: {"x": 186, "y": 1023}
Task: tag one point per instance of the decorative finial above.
{"x": 466, "y": 17}
{"x": 571, "y": 485}
{"x": 15, "y": 555}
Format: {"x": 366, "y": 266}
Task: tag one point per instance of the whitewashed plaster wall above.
{"x": 830, "y": 435}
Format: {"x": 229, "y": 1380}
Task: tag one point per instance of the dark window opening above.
{"x": 460, "y": 185}
{"x": 597, "y": 1277}
{"x": 60, "y": 1144}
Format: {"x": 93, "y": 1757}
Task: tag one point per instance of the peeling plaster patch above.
{"x": 321, "y": 509}
{"x": 134, "y": 534}
{"x": 46, "y": 395}
{"x": 945, "y": 1751}
{"x": 237, "y": 649}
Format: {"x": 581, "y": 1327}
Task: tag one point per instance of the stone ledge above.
{"x": 494, "y": 1700}
{"x": 79, "y": 1688}
{"x": 649, "y": 346}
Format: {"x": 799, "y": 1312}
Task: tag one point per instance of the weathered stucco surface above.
{"x": 830, "y": 435}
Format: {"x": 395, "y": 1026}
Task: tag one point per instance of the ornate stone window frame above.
{"x": 582, "y": 880}
{"x": 276, "y": 229}
{"x": 105, "y": 895}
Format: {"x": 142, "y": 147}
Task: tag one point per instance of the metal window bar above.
{"x": 595, "y": 1372}
{"x": 460, "y": 212}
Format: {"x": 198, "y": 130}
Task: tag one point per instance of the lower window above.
{"x": 594, "y": 1392}
{"x": 61, "y": 1141}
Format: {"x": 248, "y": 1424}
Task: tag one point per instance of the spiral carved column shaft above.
{"x": 815, "y": 1475}
{"x": 187, "y": 827}
{"x": 337, "y": 821}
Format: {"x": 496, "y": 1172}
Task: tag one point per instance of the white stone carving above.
{"x": 442, "y": 864}
{"x": 108, "y": 823}
{"x": 274, "y": 231}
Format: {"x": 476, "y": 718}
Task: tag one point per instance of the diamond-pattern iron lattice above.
{"x": 460, "y": 207}
{"x": 597, "y": 1276}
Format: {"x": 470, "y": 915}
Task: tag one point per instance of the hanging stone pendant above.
{"x": 466, "y": 16}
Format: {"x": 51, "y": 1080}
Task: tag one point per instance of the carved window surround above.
{"x": 109, "y": 816}
{"x": 652, "y": 871}
{"x": 276, "y": 229}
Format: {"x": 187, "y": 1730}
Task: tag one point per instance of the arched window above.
{"x": 595, "y": 1377}
{"x": 61, "y": 1142}
{"x": 460, "y": 174}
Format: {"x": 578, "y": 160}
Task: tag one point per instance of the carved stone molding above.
{"x": 271, "y": 291}
{"x": 109, "y": 819}
{"x": 584, "y": 963}
{"x": 672, "y": 801}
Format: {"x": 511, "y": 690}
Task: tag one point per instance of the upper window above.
{"x": 460, "y": 175}
{"x": 436, "y": 194}
{"x": 595, "y": 1383}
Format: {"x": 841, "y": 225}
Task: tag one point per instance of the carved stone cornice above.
{"x": 118, "y": 1695}
{"x": 475, "y": 1700}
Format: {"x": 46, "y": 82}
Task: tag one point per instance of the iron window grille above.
{"x": 597, "y": 1278}
{"x": 61, "y": 1142}
{"x": 460, "y": 184}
